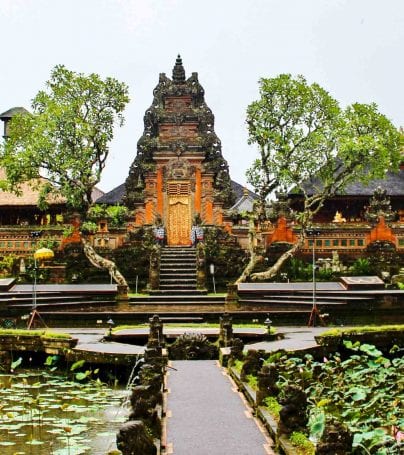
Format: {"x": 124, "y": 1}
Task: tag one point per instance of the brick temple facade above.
{"x": 179, "y": 170}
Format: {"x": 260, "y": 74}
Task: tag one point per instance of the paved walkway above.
{"x": 206, "y": 414}
{"x": 295, "y": 338}
{"x": 92, "y": 340}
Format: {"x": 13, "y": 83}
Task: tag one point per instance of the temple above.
{"x": 179, "y": 171}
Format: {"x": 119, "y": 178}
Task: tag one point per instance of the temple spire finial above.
{"x": 178, "y": 71}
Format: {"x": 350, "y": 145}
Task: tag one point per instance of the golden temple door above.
{"x": 179, "y": 214}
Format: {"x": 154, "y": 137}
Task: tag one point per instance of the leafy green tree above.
{"x": 66, "y": 139}
{"x": 308, "y": 144}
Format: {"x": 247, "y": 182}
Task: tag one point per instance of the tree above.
{"x": 308, "y": 144}
{"x": 66, "y": 139}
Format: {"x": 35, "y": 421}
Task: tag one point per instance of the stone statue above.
{"x": 226, "y": 330}
{"x": 252, "y": 363}
{"x": 133, "y": 438}
{"x": 336, "y": 439}
{"x": 293, "y": 415}
{"x": 338, "y": 218}
{"x": 236, "y": 350}
{"x": 154, "y": 268}
{"x": 267, "y": 378}
{"x": 155, "y": 333}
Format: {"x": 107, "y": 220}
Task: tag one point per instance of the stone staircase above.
{"x": 178, "y": 271}
{"x": 298, "y": 297}
{"x": 178, "y": 284}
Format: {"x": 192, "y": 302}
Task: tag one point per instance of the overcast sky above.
{"x": 353, "y": 48}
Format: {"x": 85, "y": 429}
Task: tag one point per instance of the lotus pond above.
{"x": 43, "y": 413}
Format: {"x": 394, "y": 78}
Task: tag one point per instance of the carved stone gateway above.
{"x": 179, "y": 170}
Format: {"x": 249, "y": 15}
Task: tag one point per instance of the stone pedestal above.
{"x": 122, "y": 292}
{"x": 232, "y": 295}
{"x": 226, "y": 331}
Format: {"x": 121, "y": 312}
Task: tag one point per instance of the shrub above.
{"x": 273, "y": 406}
{"x": 301, "y": 441}
{"x": 193, "y": 346}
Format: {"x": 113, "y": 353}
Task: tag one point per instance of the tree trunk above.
{"x": 254, "y": 258}
{"x": 272, "y": 271}
{"x": 103, "y": 263}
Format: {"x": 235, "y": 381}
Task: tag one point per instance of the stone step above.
{"x": 178, "y": 254}
{"x": 177, "y": 273}
{"x": 292, "y": 302}
{"x": 180, "y": 301}
{"x": 180, "y": 264}
{"x": 174, "y": 272}
{"x": 178, "y": 292}
{"x": 305, "y": 296}
{"x": 178, "y": 287}
{"x": 168, "y": 249}
{"x": 178, "y": 270}
{"x": 201, "y": 297}
{"x": 178, "y": 279}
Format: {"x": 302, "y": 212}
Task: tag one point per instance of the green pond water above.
{"x": 42, "y": 413}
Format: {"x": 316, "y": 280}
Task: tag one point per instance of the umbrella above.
{"x": 43, "y": 254}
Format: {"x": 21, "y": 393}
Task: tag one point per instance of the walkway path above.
{"x": 206, "y": 414}
{"x": 92, "y": 341}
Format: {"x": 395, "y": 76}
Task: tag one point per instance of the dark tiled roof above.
{"x": 393, "y": 183}
{"x": 13, "y": 111}
{"x": 115, "y": 196}
{"x": 239, "y": 191}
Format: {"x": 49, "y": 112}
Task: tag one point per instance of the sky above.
{"x": 352, "y": 48}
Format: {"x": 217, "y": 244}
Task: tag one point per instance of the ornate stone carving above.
{"x": 154, "y": 269}
{"x": 178, "y": 169}
{"x": 185, "y": 124}
{"x": 277, "y": 209}
{"x": 155, "y": 332}
{"x": 336, "y": 439}
{"x": 379, "y": 205}
{"x": 134, "y": 438}
{"x": 293, "y": 415}
{"x": 226, "y": 330}
{"x": 252, "y": 364}
{"x": 267, "y": 378}
{"x": 236, "y": 350}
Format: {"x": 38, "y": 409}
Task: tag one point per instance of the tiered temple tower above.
{"x": 179, "y": 170}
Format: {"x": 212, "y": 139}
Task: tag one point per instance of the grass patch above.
{"x": 56, "y": 335}
{"x": 273, "y": 406}
{"x": 337, "y": 332}
{"x": 118, "y": 328}
{"x": 192, "y": 325}
{"x": 252, "y": 381}
{"x": 302, "y": 443}
{"x": 46, "y": 334}
{"x": 237, "y": 365}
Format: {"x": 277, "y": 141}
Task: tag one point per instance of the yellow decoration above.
{"x": 43, "y": 254}
{"x": 338, "y": 218}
